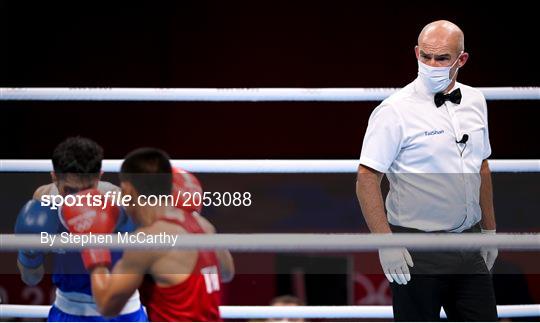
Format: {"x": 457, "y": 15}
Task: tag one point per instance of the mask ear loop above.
{"x": 457, "y": 60}
{"x": 455, "y": 121}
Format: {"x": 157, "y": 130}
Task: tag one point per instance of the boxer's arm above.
{"x": 31, "y": 276}
{"x": 112, "y": 290}
{"x": 42, "y": 190}
{"x": 368, "y": 191}
{"x": 33, "y": 219}
{"x": 226, "y": 265}
{"x": 226, "y": 261}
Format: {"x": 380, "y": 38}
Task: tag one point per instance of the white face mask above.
{"x": 436, "y": 79}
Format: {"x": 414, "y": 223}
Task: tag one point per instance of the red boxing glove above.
{"x": 86, "y": 217}
{"x": 188, "y": 190}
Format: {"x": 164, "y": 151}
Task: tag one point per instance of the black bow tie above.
{"x": 454, "y": 97}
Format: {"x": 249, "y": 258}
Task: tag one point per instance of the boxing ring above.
{"x": 529, "y": 242}
{"x": 276, "y": 312}
{"x": 300, "y": 243}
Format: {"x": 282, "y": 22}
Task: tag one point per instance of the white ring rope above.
{"x": 274, "y": 242}
{"x": 236, "y": 94}
{"x": 259, "y": 165}
{"x": 307, "y": 312}
{"x": 287, "y": 242}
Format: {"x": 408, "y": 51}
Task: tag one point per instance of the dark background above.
{"x": 246, "y": 44}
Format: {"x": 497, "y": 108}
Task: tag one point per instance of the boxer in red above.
{"x": 176, "y": 285}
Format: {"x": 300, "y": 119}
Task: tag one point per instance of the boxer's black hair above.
{"x": 148, "y": 170}
{"x": 78, "y": 155}
{"x": 287, "y": 299}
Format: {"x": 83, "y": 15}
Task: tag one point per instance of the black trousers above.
{"x": 458, "y": 281}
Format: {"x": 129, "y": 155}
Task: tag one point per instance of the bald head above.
{"x": 442, "y": 35}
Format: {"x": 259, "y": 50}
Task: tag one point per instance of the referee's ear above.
{"x": 463, "y": 59}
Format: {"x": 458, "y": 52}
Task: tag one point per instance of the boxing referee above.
{"x": 431, "y": 139}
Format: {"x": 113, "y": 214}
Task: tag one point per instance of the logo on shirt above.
{"x": 433, "y": 132}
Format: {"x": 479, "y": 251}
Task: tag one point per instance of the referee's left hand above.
{"x": 489, "y": 254}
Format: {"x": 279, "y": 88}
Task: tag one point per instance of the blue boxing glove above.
{"x": 35, "y": 218}
{"x": 125, "y": 224}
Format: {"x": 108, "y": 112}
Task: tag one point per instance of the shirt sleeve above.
{"x": 487, "y": 146}
{"x": 383, "y": 139}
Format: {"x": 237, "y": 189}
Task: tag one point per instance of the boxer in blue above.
{"x": 77, "y": 166}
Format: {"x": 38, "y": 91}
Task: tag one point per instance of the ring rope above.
{"x": 284, "y": 242}
{"x": 307, "y": 312}
{"x": 259, "y": 165}
{"x": 236, "y": 94}
{"x": 532, "y": 242}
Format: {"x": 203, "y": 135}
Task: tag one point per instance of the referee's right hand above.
{"x": 395, "y": 263}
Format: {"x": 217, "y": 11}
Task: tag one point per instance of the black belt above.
{"x": 398, "y": 229}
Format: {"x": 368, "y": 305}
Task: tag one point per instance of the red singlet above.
{"x": 195, "y": 299}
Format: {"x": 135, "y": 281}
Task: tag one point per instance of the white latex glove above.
{"x": 489, "y": 254}
{"x": 395, "y": 263}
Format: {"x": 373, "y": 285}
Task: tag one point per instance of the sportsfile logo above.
{"x": 433, "y": 132}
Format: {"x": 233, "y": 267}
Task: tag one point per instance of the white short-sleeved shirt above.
{"x": 434, "y": 181}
